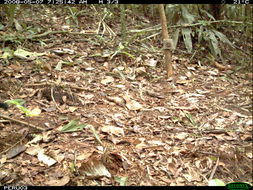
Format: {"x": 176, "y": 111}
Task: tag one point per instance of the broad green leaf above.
{"x": 8, "y": 54}
{"x": 19, "y": 103}
{"x": 73, "y": 126}
{"x": 188, "y": 18}
{"x": 121, "y": 180}
{"x": 187, "y": 38}
{"x": 128, "y": 54}
{"x": 208, "y": 14}
{"x": 1, "y": 27}
{"x": 23, "y": 109}
{"x": 16, "y": 102}
{"x": 189, "y": 116}
{"x": 93, "y": 130}
{"x": 222, "y": 37}
{"x": 175, "y": 37}
{"x": 17, "y": 25}
{"x": 200, "y": 34}
{"x": 214, "y": 44}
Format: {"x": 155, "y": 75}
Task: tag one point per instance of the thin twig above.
{"x": 214, "y": 169}
{"x": 24, "y": 136}
{"x": 52, "y": 96}
{"x": 21, "y": 122}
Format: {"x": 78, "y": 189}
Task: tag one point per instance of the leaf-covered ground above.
{"x": 139, "y": 128}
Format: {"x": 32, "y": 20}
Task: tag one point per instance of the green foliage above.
{"x": 190, "y": 25}
{"x": 9, "y": 12}
{"x": 73, "y": 126}
{"x": 121, "y": 180}
{"x": 19, "y": 103}
{"x": 73, "y": 15}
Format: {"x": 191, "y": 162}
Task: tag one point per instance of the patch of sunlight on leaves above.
{"x": 216, "y": 182}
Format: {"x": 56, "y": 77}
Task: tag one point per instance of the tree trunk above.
{"x": 167, "y": 42}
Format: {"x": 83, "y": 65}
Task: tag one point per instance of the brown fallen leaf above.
{"x": 113, "y": 130}
{"x": 58, "y": 182}
{"x": 132, "y": 104}
{"x": 118, "y": 100}
{"x": 219, "y": 66}
{"x": 94, "y": 169}
{"x": 15, "y": 151}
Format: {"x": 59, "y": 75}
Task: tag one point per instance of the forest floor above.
{"x": 136, "y": 127}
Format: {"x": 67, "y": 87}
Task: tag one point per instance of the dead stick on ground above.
{"x": 21, "y": 122}
{"x": 19, "y": 142}
{"x": 214, "y": 169}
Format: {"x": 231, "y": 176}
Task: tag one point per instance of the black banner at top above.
{"x": 126, "y": 1}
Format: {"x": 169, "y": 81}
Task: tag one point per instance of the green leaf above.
{"x": 189, "y": 116}
{"x": 200, "y": 34}
{"x": 216, "y": 182}
{"x": 128, "y": 54}
{"x": 23, "y": 109}
{"x": 121, "y": 180}
{"x": 19, "y": 102}
{"x": 73, "y": 126}
{"x": 8, "y": 54}
{"x": 188, "y": 18}
{"x": 11, "y": 12}
{"x": 208, "y": 14}
{"x": 223, "y": 38}
{"x": 93, "y": 130}
{"x": 1, "y": 27}
{"x": 187, "y": 38}
{"x": 214, "y": 44}
{"x": 17, "y": 25}
{"x": 175, "y": 37}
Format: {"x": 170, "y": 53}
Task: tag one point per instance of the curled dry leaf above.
{"x": 33, "y": 150}
{"x": 118, "y": 100}
{"x": 15, "y": 151}
{"x": 181, "y": 136}
{"x": 113, "y": 130}
{"x": 132, "y": 104}
{"x": 107, "y": 80}
{"x": 94, "y": 169}
{"x": 72, "y": 109}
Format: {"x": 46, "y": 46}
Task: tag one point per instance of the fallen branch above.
{"x": 21, "y": 122}
{"x": 34, "y": 37}
{"x": 158, "y": 27}
{"x": 18, "y": 142}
